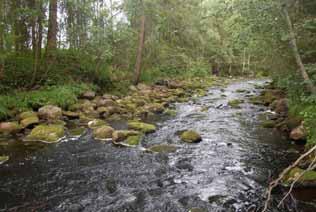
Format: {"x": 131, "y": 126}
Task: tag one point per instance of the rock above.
{"x": 299, "y": 134}
{"x": 270, "y": 95}
{"x": 307, "y": 180}
{"x": 235, "y": 103}
{"x": 88, "y": 95}
{"x": 155, "y": 108}
{"x": 268, "y": 124}
{"x": 134, "y": 140}
{"x": 241, "y": 91}
{"x": 280, "y": 106}
{"x": 121, "y": 135}
{"x": 163, "y": 148}
{"x": 4, "y": 159}
{"x": 190, "y": 136}
{"x": 47, "y": 133}
{"x": 50, "y": 112}
{"x": 27, "y": 114}
{"x": 30, "y": 121}
{"x": 106, "y": 103}
{"x": 140, "y": 126}
{"x": 9, "y": 127}
{"x": 96, "y": 123}
{"x": 71, "y": 115}
{"x": 103, "y": 133}
{"x": 143, "y": 87}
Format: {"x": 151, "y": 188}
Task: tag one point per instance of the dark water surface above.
{"x": 228, "y": 171}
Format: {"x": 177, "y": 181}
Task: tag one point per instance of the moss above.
{"x": 308, "y": 177}
{"x": 4, "y": 159}
{"x": 121, "y": 135}
{"x": 143, "y": 127}
{"x": 46, "y": 133}
{"x": 235, "y": 103}
{"x": 190, "y": 136}
{"x": 163, "y": 148}
{"x": 134, "y": 140}
{"x": 170, "y": 112}
{"x": 27, "y": 114}
{"x": 29, "y": 121}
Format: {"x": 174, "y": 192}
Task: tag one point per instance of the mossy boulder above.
{"x": 155, "y": 108}
{"x": 103, "y": 133}
{"x": 308, "y": 179}
{"x": 170, "y": 112}
{"x": 50, "y": 112}
{"x": 190, "y": 136}
{"x": 27, "y": 114}
{"x": 47, "y": 133}
{"x": 121, "y": 135}
{"x": 235, "y": 103}
{"x": 140, "y": 126}
{"x": 299, "y": 134}
{"x": 9, "y": 127}
{"x": 134, "y": 140}
{"x": 4, "y": 159}
{"x": 30, "y": 121}
{"x": 163, "y": 148}
{"x": 96, "y": 123}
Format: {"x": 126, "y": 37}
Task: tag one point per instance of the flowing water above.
{"x": 228, "y": 171}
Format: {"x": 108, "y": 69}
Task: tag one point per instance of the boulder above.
{"x": 140, "y": 126}
{"x": 30, "y": 121}
{"x": 71, "y": 115}
{"x": 280, "y": 106}
{"x": 50, "y": 112}
{"x": 88, "y": 95}
{"x": 47, "y": 133}
{"x": 299, "y": 134}
{"x": 134, "y": 140}
{"x": 121, "y": 135}
{"x": 96, "y": 123}
{"x": 9, "y": 127}
{"x": 190, "y": 136}
{"x": 27, "y": 114}
{"x": 103, "y": 133}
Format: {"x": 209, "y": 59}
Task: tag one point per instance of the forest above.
{"x": 121, "y": 70}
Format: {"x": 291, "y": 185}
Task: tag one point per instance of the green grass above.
{"x": 62, "y": 96}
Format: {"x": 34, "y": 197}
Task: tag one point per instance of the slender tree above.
{"x": 140, "y": 45}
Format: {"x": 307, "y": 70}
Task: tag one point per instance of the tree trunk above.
{"x": 2, "y": 39}
{"x": 52, "y": 28}
{"x": 296, "y": 53}
{"x": 140, "y": 50}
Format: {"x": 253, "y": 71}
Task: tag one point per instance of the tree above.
{"x": 296, "y": 53}
{"x": 140, "y": 46}
{"x": 52, "y": 28}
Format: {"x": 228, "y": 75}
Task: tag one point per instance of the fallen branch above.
{"x": 276, "y": 182}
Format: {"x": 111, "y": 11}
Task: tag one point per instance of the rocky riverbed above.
{"x": 145, "y": 152}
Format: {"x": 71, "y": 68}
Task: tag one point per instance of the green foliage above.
{"x": 62, "y": 96}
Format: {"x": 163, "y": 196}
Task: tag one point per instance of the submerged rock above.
{"x": 163, "y": 148}
{"x": 190, "y": 136}
{"x": 47, "y": 133}
{"x": 9, "y": 127}
{"x": 235, "y": 103}
{"x": 268, "y": 124}
{"x": 50, "y": 112}
{"x": 140, "y": 126}
{"x": 103, "y": 133}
